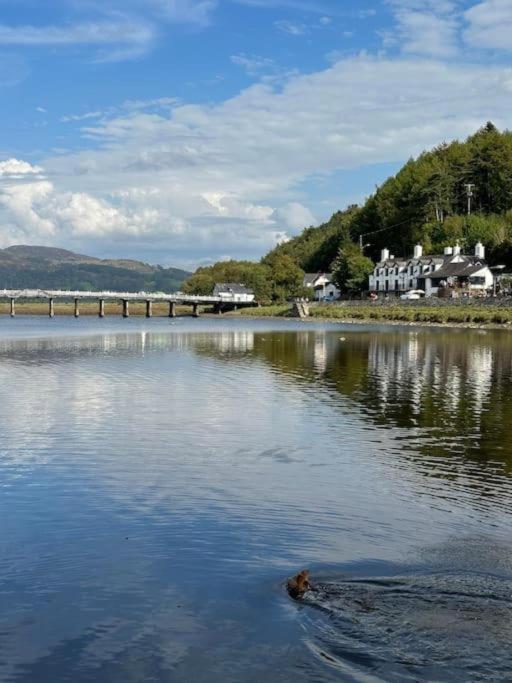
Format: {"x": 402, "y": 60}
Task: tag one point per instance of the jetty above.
{"x": 218, "y": 303}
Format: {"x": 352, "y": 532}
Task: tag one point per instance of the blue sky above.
{"x": 184, "y": 131}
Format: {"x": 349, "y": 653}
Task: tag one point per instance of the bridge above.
{"x": 219, "y": 303}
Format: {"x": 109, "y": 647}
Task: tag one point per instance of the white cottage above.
{"x": 233, "y": 291}
{"x": 323, "y": 286}
{"x": 430, "y": 273}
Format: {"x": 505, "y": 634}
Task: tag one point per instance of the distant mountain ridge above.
{"x": 24, "y": 266}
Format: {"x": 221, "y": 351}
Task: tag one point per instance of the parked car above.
{"x": 412, "y": 294}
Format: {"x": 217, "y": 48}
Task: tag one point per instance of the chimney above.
{"x": 384, "y": 255}
{"x": 480, "y": 250}
{"x": 456, "y": 249}
{"x": 418, "y": 251}
{"x": 448, "y": 251}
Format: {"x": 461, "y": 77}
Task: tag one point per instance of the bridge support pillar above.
{"x": 77, "y": 310}
{"x": 218, "y": 309}
{"x": 195, "y": 310}
{"x": 172, "y": 309}
{"x": 51, "y": 308}
{"x": 13, "y": 310}
{"x": 149, "y": 308}
{"x": 126, "y": 308}
{"x": 101, "y": 308}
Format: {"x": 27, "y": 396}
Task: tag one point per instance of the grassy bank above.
{"x": 113, "y": 308}
{"x": 477, "y": 315}
{"x": 277, "y": 310}
{"x": 445, "y": 315}
{"x": 460, "y": 315}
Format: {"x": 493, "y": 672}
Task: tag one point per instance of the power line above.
{"x": 375, "y": 232}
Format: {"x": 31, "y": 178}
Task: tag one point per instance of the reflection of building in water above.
{"x": 420, "y": 372}
{"x": 392, "y": 364}
{"x": 480, "y": 367}
{"x": 239, "y": 341}
{"x": 320, "y": 353}
{"x": 133, "y": 342}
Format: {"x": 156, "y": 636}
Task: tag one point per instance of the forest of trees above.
{"x": 427, "y": 199}
{"x": 425, "y": 202}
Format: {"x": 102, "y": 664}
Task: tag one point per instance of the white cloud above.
{"x": 36, "y": 210}
{"x": 295, "y": 216}
{"x": 490, "y": 25}
{"x": 427, "y": 33}
{"x": 155, "y": 103}
{"x": 253, "y": 64}
{"x": 16, "y": 168}
{"x": 127, "y": 106}
{"x": 89, "y": 33}
{"x": 82, "y": 117}
{"x": 290, "y": 27}
{"x": 229, "y": 206}
{"x": 196, "y": 178}
{"x": 22, "y": 205}
{"x": 125, "y": 39}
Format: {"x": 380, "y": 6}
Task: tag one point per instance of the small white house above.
{"x": 233, "y": 291}
{"x": 322, "y": 285}
{"x": 430, "y": 273}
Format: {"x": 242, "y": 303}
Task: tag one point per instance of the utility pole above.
{"x": 469, "y": 191}
{"x": 363, "y": 246}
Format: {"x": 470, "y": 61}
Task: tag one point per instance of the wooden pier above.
{"x": 219, "y": 304}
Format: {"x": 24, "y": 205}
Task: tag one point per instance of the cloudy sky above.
{"x": 184, "y": 131}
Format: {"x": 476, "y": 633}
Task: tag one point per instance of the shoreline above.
{"x": 389, "y": 320}
{"x": 276, "y": 312}
{"x": 391, "y": 323}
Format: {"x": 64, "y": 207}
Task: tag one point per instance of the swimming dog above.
{"x": 299, "y": 585}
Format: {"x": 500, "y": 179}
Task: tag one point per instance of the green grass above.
{"x": 408, "y": 313}
{"x": 473, "y": 314}
{"x": 444, "y": 315}
{"x": 276, "y": 310}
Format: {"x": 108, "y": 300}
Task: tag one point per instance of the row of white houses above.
{"x": 430, "y": 273}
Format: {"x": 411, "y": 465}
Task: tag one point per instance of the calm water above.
{"x": 160, "y": 480}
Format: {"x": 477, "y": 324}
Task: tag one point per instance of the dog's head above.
{"x": 303, "y": 579}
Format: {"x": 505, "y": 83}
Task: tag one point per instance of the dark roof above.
{"x": 311, "y": 278}
{"x": 427, "y": 259}
{"x": 391, "y": 263}
{"x": 232, "y": 288}
{"x": 463, "y": 269}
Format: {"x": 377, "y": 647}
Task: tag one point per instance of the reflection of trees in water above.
{"x": 450, "y": 390}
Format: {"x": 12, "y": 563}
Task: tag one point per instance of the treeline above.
{"x": 275, "y": 278}
{"x": 425, "y": 202}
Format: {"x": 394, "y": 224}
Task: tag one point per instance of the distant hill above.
{"x": 49, "y": 268}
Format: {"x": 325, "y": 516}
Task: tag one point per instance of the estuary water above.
{"x": 160, "y": 480}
